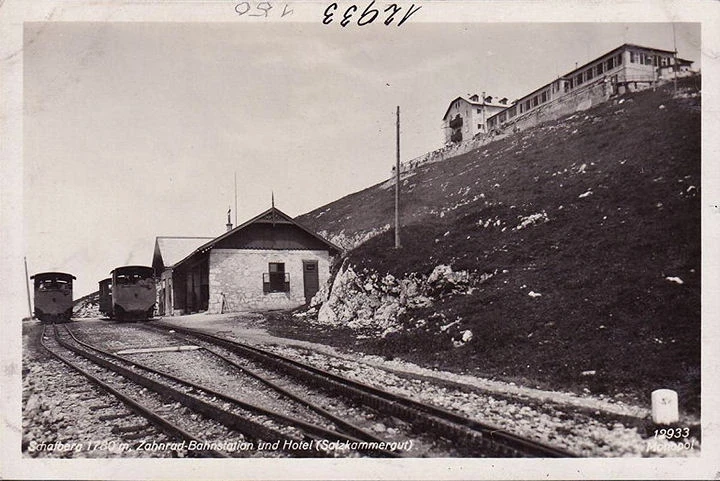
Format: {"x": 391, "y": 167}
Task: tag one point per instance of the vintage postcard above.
{"x": 359, "y": 240}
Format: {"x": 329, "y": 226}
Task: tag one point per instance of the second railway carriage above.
{"x": 53, "y": 296}
{"x": 133, "y": 293}
{"x": 105, "y": 296}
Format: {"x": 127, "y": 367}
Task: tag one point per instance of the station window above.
{"x": 276, "y": 279}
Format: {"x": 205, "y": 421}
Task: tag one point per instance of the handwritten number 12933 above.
{"x": 368, "y": 15}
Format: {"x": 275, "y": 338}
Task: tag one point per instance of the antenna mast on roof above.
{"x": 272, "y": 199}
{"x": 235, "y": 176}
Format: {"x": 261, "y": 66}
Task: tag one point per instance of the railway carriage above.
{"x": 53, "y": 296}
{"x": 105, "y": 296}
{"x": 132, "y": 293}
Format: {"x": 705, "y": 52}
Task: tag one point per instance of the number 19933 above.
{"x": 672, "y": 433}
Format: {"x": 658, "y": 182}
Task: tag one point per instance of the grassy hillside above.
{"x": 590, "y": 227}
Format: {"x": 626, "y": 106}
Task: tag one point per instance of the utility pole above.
{"x": 674, "y": 61}
{"x": 397, "y": 184}
{"x": 27, "y": 286}
{"x": 235, "y": 176}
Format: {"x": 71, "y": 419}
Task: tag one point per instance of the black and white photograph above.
{"x": 369, "y": 240}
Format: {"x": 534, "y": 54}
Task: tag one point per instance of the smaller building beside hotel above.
{"x": 466, "y": 117}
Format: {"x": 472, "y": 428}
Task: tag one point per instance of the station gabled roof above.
{"x": 271, "y": 216}
{"x": 171, "y": 250}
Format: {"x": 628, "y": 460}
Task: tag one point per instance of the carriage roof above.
{"x": 53, "y": 275}
{"x": 138, "y": 269}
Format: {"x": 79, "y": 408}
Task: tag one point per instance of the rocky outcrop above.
{"x": 366, "y": 301}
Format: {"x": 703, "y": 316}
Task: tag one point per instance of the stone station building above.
{"x": 269, "y": 262}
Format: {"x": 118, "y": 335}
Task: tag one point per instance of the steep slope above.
{"x": 87, "y": 306}
{"x": 579, "y": 241}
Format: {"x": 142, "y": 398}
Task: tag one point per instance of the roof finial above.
{"x": 272, "y": 198}
{"x": 229, "y": 225}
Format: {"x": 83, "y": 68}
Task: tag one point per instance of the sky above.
{"x": 136, "y": 130}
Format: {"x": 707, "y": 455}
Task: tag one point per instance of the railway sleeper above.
{"x": 129, "y": 429}
{"x": 112, "y": 417}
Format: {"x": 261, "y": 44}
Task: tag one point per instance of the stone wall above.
{"x": 450, "y": 150}
{"x": 579, "y": 99}
{"x": 237, "y": 275}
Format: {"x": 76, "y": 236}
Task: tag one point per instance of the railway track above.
{"x": 289, "y": 435}
{"x": 159, "y": 427}
{"x": 478, "y": 439}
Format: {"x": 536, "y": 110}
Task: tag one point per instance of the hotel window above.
{"x": 599, "y": 68}
{"x": 589, "y": 74}
{"x": 632, "y": 57}
{"x": 478, "y": 110}
{"x": 618, "y": 59}
{"x": 579, "y": 80}
{"x": 543, "y": 97}
{"x": 527, "y": 105}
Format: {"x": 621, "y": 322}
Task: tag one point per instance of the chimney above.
{"x": 229, "y": 224}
